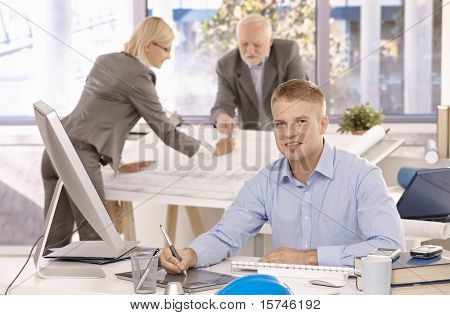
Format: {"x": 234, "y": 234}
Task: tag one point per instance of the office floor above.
{"x": 21, "y": 220}
{"x": 21, "y": 191}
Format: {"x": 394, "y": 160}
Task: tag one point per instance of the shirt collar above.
{"x": 152, "y": 75}
{"x": 149, "y": 68}
{"x": 325, "y": 166}
{"x": 326, "y": 161}
{"x": 285, "y": 172}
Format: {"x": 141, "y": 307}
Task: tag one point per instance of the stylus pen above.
{"x": 172, "y": 248}
{"x": 147, "y": 270}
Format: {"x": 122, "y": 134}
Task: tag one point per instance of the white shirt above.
{"x": 257, "y": 73}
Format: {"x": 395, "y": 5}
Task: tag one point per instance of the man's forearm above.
{"x": 311, "y": 257}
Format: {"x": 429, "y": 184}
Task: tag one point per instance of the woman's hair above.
{"x": 151, "y": 30}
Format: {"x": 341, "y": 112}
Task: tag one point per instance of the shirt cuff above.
{"x": 330, "y": 255}
{"x": 206, "y": 256}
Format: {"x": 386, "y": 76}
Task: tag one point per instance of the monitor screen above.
{"x": 427, "y": 196}
{"x": 79, "y": 186}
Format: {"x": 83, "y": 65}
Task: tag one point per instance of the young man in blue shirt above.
{"x": 325, "y": 205}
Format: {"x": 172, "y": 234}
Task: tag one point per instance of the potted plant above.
{"x": 359, "y": 118}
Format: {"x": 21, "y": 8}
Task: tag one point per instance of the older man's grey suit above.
{"x": 236, "y": 89}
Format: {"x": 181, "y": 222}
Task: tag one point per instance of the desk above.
{"x": 177, "y": 180}
{"x": 12, "y": 259}
{"x": 30, "y": 283}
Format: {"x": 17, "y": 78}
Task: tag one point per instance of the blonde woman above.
{"x": 119, "y": 90}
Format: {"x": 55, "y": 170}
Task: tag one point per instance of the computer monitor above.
{"x": 427, "y": 197}
{"x": 74, "y": 178}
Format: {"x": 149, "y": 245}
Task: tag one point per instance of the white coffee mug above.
{"x": 376, "y": 275}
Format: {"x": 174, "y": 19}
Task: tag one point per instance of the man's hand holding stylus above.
{"x": 172, "y": 265}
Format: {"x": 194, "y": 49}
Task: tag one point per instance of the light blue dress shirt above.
{"x": 344, "y": 211}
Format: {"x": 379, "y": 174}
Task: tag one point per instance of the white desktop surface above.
{"x": 30, "y": 283}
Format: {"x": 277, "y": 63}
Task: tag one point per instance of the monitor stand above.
{"x": 49, "y": 268}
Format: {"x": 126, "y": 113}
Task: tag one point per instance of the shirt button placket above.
{"x": 306, "y": 219}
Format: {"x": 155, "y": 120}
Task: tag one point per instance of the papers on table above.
{"x": 357, "y": 144}
{"x": 222, "y": 177}
{"x": 425, "y": 229}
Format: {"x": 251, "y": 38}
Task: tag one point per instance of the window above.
{"x": 49, "y": 56}
{"x": 205, "y": 30}
{"x": 393, "y": 55}
{"x": 385, "y": 52}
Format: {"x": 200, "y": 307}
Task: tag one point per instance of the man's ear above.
{"x": 323, "y": 124}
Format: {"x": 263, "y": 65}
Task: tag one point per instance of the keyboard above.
{"x": 290, "y": 270}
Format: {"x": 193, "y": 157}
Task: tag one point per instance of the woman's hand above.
{"x": 224, "y": 146}
{"x": 135, "y": 167}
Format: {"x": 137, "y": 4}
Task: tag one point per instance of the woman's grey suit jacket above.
{"x": 119, "y": 90}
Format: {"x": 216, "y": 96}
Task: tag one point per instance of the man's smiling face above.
{"x": 298, "y": 127}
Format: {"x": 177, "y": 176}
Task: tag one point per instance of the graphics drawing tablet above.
{"x": 197, "y": 280}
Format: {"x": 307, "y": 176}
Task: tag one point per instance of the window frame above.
{"x": 322, "y": 74}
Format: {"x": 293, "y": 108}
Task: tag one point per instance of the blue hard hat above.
{"x": 255, "y": 285}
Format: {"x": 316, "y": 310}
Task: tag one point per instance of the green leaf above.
{"x": 359, "y": 117}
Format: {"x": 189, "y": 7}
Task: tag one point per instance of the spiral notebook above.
{"x": 250, "y": 264}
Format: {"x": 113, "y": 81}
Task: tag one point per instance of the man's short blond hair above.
{"x": 255, "y": 18}
{"x": 302, "y": 91}
{"x": 151, "y": 30}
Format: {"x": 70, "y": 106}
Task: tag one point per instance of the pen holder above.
{"x": 144, "y": 266}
